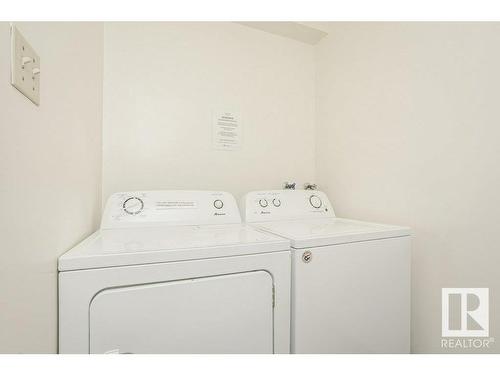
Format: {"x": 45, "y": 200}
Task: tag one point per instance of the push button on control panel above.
{"x": 276, "y": 202}
{"x": 218, "y": 204}
{"x": 263, "y": 203}
{"x": 315, "y": 201}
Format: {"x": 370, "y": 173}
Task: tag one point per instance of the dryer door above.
{"x": 216, "y": 314}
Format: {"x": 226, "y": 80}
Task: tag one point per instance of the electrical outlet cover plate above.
{"x": 24, "y": 76}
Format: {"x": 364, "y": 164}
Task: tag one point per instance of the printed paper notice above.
{"x": 227, "y": 132}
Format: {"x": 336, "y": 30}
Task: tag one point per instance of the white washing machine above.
{"x": 175, "y": 272}
{"x": 350, "y": 279}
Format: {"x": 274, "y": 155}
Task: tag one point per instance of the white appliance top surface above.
{"x": 143, "y": 245}
{"x": 330, "y": 231}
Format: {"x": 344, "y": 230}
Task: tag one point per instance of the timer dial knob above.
{"x": 133, "y": 205}
{"x": 315, "y": 201}
{"x": 263, "y": 203}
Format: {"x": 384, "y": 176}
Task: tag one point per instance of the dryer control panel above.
{"x": 274, "y": 205}
{"x": 169, "y": 207}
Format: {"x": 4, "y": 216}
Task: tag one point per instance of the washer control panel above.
{"x": 285, "y": 205}
{"x": 169, "y": 207}
{"x": 315, "y": 201}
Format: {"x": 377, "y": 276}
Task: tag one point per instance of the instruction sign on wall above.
{"x": 227, "y": 131}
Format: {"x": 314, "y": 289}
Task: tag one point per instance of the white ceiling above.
{"x": 306, "y": 32}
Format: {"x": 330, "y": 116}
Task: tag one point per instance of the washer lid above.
{"x": 332, "y": 231}
{"x": 133, "y": 246}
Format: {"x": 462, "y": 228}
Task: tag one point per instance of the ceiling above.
{"x": 306, "y": 32}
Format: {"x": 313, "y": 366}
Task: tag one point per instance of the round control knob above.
{"x": 133, "y": 205}
{"x": 315, "y": 201}
{"x": 218, "y": 204}
{"x": 276, "y": 202}
{"x": 263, "y": 203}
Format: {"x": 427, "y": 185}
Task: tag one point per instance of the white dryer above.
{"x": 350, "y": 279}
{"x": 175, "y": 272}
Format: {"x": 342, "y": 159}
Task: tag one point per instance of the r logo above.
{"x": 465, "y": 312}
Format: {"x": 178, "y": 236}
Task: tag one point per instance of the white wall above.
{"x": 408, "y": 133}
{"x": 50, "y": 173}
{"x": 163, "y": 80}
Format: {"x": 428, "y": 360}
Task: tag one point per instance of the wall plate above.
{"x": 24, "y": 66}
